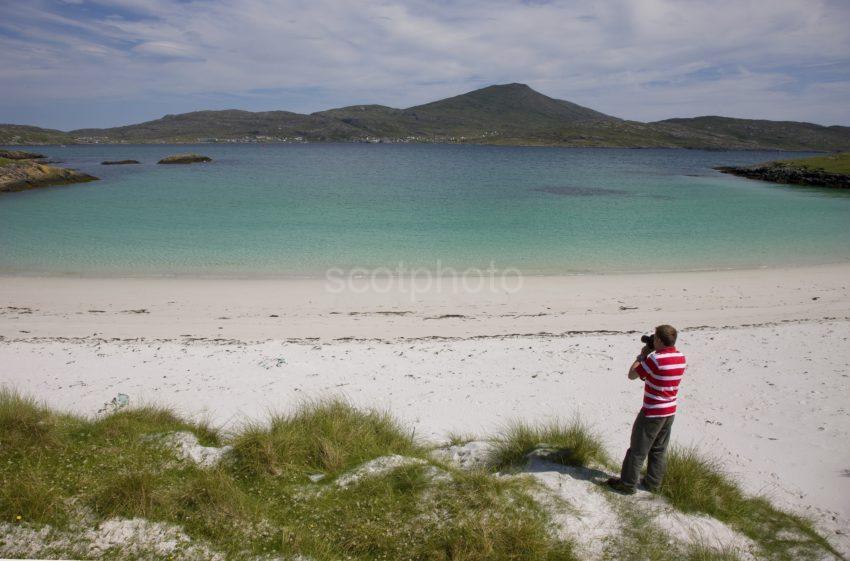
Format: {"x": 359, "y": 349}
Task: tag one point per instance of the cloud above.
{"x": 638, "y": 59}
{"x": 167, "y": 51}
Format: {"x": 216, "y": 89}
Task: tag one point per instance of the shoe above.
{"x": 650, "y": 488}
{"x": 617, "y": 484}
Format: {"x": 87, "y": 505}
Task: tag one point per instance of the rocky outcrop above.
{"x": 185, "y": 444}
{"x": 19, "y": 155}
{"x": 26, "y": 174}
{"x": 118, "y": 162}
{"x": 471, "y": 455}
{"x": 184, "y": 159}
{"x": 778, "y": 173}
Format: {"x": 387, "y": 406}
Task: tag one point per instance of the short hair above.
{"x": 667, "y": 334}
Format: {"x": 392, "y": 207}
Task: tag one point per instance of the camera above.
{"x": 648, "y": 340}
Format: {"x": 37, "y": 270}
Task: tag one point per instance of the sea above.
{"x": 300, "y": 210}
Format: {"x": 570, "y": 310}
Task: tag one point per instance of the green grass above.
{"x": 260, "y": 502}
{"x": 66, "y": 470}
{"x": 832, "y": 163}
{"x": 406, "y": 516}
{"x": 460, "y": 438}
{"x": 694, "y": 483}
{"x": 642, "y": 540}
{"x": 574, "y": 443}
{"x": 320, "y": 437}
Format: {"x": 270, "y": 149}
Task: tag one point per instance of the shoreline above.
{"x": 786, "y": 175}
{"x": 254, "y": 276}
{"x": 264, "y": 309}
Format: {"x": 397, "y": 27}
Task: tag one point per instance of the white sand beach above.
{"x": 766, "y": 391}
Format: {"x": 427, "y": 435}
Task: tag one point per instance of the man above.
{"x": 661, "y": 367}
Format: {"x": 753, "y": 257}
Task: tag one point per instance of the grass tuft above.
{"x": 319, "y": 437}
{"x": 31, "y": 497}
{"x": 136, "y": 494}
{"x": 460, "y": 438}
{"x": 576, "y": 443}
{"x": 694, "y": 483}
{"x": 149, "y": 419}
{"x": 23, "y": 422}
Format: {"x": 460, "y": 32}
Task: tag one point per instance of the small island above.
{"x": 832, "y": 170}
{"x": 118, "y": 162}
{"x": 21, "y": 174}
{"x": 19, "y": 155}
{"x": 184, "y": 159}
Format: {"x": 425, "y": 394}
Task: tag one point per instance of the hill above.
{"x": 24, "y": 135}
{"x": 507, "y": 109}
{"x": 227, "y": 124}
{"x": 756, "y": 134}
{"x": 502, "y": 114}
{"x": 509, "y": 114}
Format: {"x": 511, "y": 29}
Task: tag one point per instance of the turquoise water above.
{"x": 300, "y": 209}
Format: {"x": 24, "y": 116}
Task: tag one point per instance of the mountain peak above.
{"x": 513, "y": 105}
{"x": 512, "y": 89}
{"x": 513, "y": 86}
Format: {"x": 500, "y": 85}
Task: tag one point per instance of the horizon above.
{"x": 98, "y": 64}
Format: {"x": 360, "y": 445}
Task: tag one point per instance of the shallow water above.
{"x": 301, "y": 209}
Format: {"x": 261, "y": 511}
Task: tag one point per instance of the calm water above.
{"x": 300, "y": 209}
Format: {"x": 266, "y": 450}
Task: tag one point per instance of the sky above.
{"x": 93, "y": 63}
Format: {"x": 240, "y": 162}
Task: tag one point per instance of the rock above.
{"x": 378, "y": 466}
{"x": 590, "y": 517}
{"x": 20, "y": 155}
{"x": 118, "y": 162}
{"x": 114, "y": 538}
{"x": 26, "y": 174}
{"x": 474, "y": 454}
{"x": 777, "y": 173}
{"x": 187, "y": 447}
{"x": 184, "y": 159}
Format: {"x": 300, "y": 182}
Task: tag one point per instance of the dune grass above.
{"x": 574, "y": 442}
{"x": 642, "y": 540}
{"x": 319, "y": 437}
{"x": 408, "y": 516}
{"x": 65, "y": 471}
{"x": 456, "y": 438}
{"x": 694, "y": 483}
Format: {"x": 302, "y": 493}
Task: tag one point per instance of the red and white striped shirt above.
{"x": 662, "y": 372}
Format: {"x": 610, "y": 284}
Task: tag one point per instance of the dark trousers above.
{"x": 650, "y": 437}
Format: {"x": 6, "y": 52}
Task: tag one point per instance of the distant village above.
{"x": 265, "y": 139}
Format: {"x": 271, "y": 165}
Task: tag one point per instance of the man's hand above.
{"x": 633, "y": 375}
{"x": 633, "y": 370}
